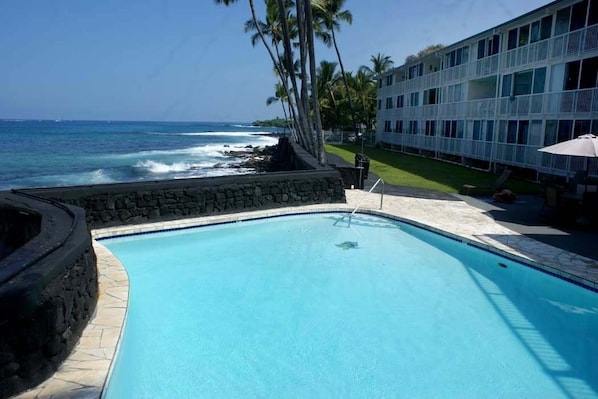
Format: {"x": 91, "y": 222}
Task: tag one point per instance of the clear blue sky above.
{"x": 190, "y": 60}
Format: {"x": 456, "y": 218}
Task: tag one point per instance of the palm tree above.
{"x": 330, "y": 13}
{"x": 364, "y": 86}
{"x": 280, "y": 95}
{"x": 380, "y": 62}
{"x": 305, "y": 132}
{"x": 327, "y": 86}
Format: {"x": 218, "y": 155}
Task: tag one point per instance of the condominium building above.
{"x": 496, "y": 97}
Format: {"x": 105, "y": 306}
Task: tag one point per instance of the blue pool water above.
{"x": 308, "y": 307}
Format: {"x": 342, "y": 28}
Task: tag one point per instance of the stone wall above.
{"x": 48, "y": 292}
{"x": 131, "y": 203}
{"x": 16, "y": 228}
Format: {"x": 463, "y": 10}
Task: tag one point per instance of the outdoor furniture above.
{"x": 470, "y": 189}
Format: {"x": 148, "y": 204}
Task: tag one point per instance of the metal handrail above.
{"x": 366, "y": 195}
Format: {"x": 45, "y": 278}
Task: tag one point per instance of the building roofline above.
{"x": 482, "y": 33}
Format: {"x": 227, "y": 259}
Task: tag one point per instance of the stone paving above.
{"x": 84, "y": 373}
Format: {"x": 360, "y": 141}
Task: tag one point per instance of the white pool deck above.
{"x": 84, "y": 373}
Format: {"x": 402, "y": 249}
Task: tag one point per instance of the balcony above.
{"x": 547, "y": 104}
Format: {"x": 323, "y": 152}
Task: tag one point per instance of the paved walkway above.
{"x": 83, "y": 375}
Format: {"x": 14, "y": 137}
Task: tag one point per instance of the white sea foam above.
{"x": 247, "y": 126}
{"x": 224, "y": 134}
{"x": 161, "y": 168}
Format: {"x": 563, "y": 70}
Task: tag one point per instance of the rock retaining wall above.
{"x": 132, "y": 203}
{"x": 48, "y": 291}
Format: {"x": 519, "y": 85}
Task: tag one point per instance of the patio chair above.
{"x": 470, "y": 189}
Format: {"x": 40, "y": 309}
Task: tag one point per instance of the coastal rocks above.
{"x": 259, "y": 159}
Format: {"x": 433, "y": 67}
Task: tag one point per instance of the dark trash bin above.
{"x": 361, "y": 160}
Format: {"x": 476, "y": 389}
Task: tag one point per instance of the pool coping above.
{"x": 85, "y": 373}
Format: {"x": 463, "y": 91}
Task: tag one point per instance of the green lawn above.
{"x": 413, "y": 171}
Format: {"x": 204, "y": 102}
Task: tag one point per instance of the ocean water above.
{"x": 65, "y": 153}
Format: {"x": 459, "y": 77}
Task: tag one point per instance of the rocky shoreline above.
{"x": 260, "y": 159}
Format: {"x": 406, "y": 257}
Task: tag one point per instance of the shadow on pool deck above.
{"x": 524, "y": 216}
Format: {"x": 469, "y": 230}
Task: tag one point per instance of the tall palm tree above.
{"x": 305, "y": 131}
{"x": 330, "y": 14}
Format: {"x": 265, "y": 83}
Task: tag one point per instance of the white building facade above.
{"x": 496, "y": 97}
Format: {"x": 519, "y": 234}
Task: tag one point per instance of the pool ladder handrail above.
{"x": 366, "y": 195}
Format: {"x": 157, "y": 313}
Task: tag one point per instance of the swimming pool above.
{"x": 305, "y": 306}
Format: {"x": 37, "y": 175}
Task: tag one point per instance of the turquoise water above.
{"x": 307, "y": 307}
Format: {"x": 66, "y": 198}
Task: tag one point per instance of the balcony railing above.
{"x": 567, "y": 102}
{"x": 525, "y": 156}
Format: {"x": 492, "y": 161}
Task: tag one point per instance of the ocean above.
{"x": 66, "y": 153}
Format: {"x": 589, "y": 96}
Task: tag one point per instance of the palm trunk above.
{"x": 319, "y": 140}
{"x": 300, "y": 120}
{"x": 268, "y": 48}
{"x": 340, "y": 63}
{"x": 303, "y": 60}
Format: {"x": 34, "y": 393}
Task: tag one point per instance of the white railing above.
{"x": 574, "y": 101}
{"x": 366, "y": 195}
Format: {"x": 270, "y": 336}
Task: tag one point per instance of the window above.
{"x": 450, "y": 129}
{"x": 431, "y": 96}
{"x": 535, "y": 33}
{"x": 545, "y": 27}
{"x": 481, "y": 49}
{"x": 379, "y": 105}
{"x": 523, "y": 35}
{"x": 506, "y": 85}
{"x": 430, "y": 128}
{"x": 523, "y": 132}
{"x": 578, "y": 15}
{"x": 400, "y": 101}
{"x": 512, "y": 132}
{"x": 399, "y": 126}
{"x": 494, "y": 45}
{"x": 539, "y": 80}
{"x": 572, "y": 75}
{"x": 412, "y": 127}
{"x": 414, "y": 99}
{"x": 581, "y": 127}
{"x": 564, "y": 131}
{"x": 389, "y": 80}
{"x": 490, "y": 131}
{"x": 562, "y": 21}
{"x": 477, "y": 130}
{"x": 387, "y": 126}
{"x": 416, "y": 71}
{"x": 593, "y": 15}
{"x": 512, "y": 39}
{"x": 456, "y": 57}
{"x": 522, "y": 83}
{"x": 460, "y": 129}
{"x": 379, "y": 83}
{"x": 550, "y": 132}
{"x": 389, "y": 103}
{"x": 589, "y": 73}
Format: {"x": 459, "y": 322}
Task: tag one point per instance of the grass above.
{"x": 418, "y": 172}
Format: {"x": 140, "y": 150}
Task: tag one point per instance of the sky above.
{"x": 190, "y": 60}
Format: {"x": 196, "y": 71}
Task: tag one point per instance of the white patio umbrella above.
{"x": 585, "y": 145}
